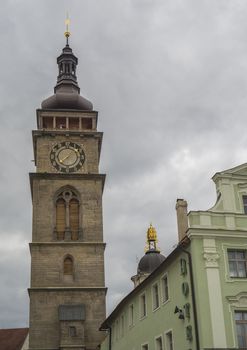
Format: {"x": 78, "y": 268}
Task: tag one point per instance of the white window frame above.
{"x": 162, "y": 342}
{"x": 131, "y": 315}
{"x": 243, "y": 250}
{"x": 243, "y": 194}
{"x": 144, "y": 344}
{"x": 239, "y": 322}
{"x": 122, "y": 326}
{"x": 140, "y": 306}
{"x": 166, "y": 346}
{"x": 155, "y": 307}
{"x": 163, "y": 290}
{"x": 117, "y": 330}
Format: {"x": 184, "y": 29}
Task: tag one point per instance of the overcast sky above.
{"x": 169, "y": 79}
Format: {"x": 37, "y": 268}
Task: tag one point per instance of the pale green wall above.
{"x": 217, "y": 295}
{"x": 226, "y": 225}
{"x": 201, "y": 293}
{"x": 157, "y": 322}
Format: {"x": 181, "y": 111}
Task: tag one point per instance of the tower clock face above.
{"x": 67, "y": 157}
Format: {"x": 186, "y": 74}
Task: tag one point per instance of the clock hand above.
{"x": 62, "y": 160}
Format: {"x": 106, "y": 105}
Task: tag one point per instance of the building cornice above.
{"x": 65, "y": 289}
{"x": 69, "y": 177}
{"x": 207, "y": 232}
{"x": 67, "y": 243}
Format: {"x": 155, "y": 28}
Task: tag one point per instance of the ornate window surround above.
{"x": 225, "y": 247}
{"x": 236, "y": 303}
{"x": 73, "y": 193}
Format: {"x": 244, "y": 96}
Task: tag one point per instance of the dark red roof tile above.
{"x": 12, "y": 339}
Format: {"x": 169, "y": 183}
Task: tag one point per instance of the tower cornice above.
{"x": 69, "y": 177}
{"x": 67, "y": 243}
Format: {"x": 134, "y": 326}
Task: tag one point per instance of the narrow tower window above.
{"x": 68, "y": 266}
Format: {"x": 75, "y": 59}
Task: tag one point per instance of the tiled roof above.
{"x": 12, "y": 339}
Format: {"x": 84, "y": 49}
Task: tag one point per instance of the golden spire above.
{"x": 151, "y": 239}
{"x": 67, "y": 32}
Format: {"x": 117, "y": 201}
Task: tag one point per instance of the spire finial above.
{"x": 67, "y": 32}
{"x": 151, "y": 238}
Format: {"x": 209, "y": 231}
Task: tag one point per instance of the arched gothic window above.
{"x": 67, "y": 215}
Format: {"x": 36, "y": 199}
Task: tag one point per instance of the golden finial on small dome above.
{"x": 151, "y": 234}
{"x": 151, "y": 239}
{"x": 67, "y": 32}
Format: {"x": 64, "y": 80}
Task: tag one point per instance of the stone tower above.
{"x": 67, "y": 293}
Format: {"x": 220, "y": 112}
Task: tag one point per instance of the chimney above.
{"x": 182, "y": 220}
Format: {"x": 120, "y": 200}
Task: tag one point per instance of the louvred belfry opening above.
{"x": 74, "y": 218}
{"x": 60, "y": 218}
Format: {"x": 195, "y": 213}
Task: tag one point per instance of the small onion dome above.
{"x": 150, "y": 261}
{"x": 152, "y": 258}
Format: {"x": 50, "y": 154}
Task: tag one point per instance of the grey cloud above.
{"x": 169, "y": 79}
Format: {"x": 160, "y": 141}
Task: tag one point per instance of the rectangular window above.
{"x": 169, "y": 341}
{"x": 113, "y": 332}
{"x": 143, "y": 306}
{"x": 241, "y": 327}
{"x": 145, "y": 347}
{"x": 156, "y": 299}
{"x": 165, "y": 292}
{"x": 131, "y": 315}
{"x": 72, "y": 331}
{"x": 122, "y": 326}
{"x": 158, "y": 344}
{"x": 237, "y": 263}
{"x": 117, "y": 330}
{"x": 245, "y": 204}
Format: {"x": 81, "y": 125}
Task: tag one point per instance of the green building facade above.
{"x": 197, "y": 296}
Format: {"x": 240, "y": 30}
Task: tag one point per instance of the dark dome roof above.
{"x": 67, "y": 100}
{"x": 150, "y": 261}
